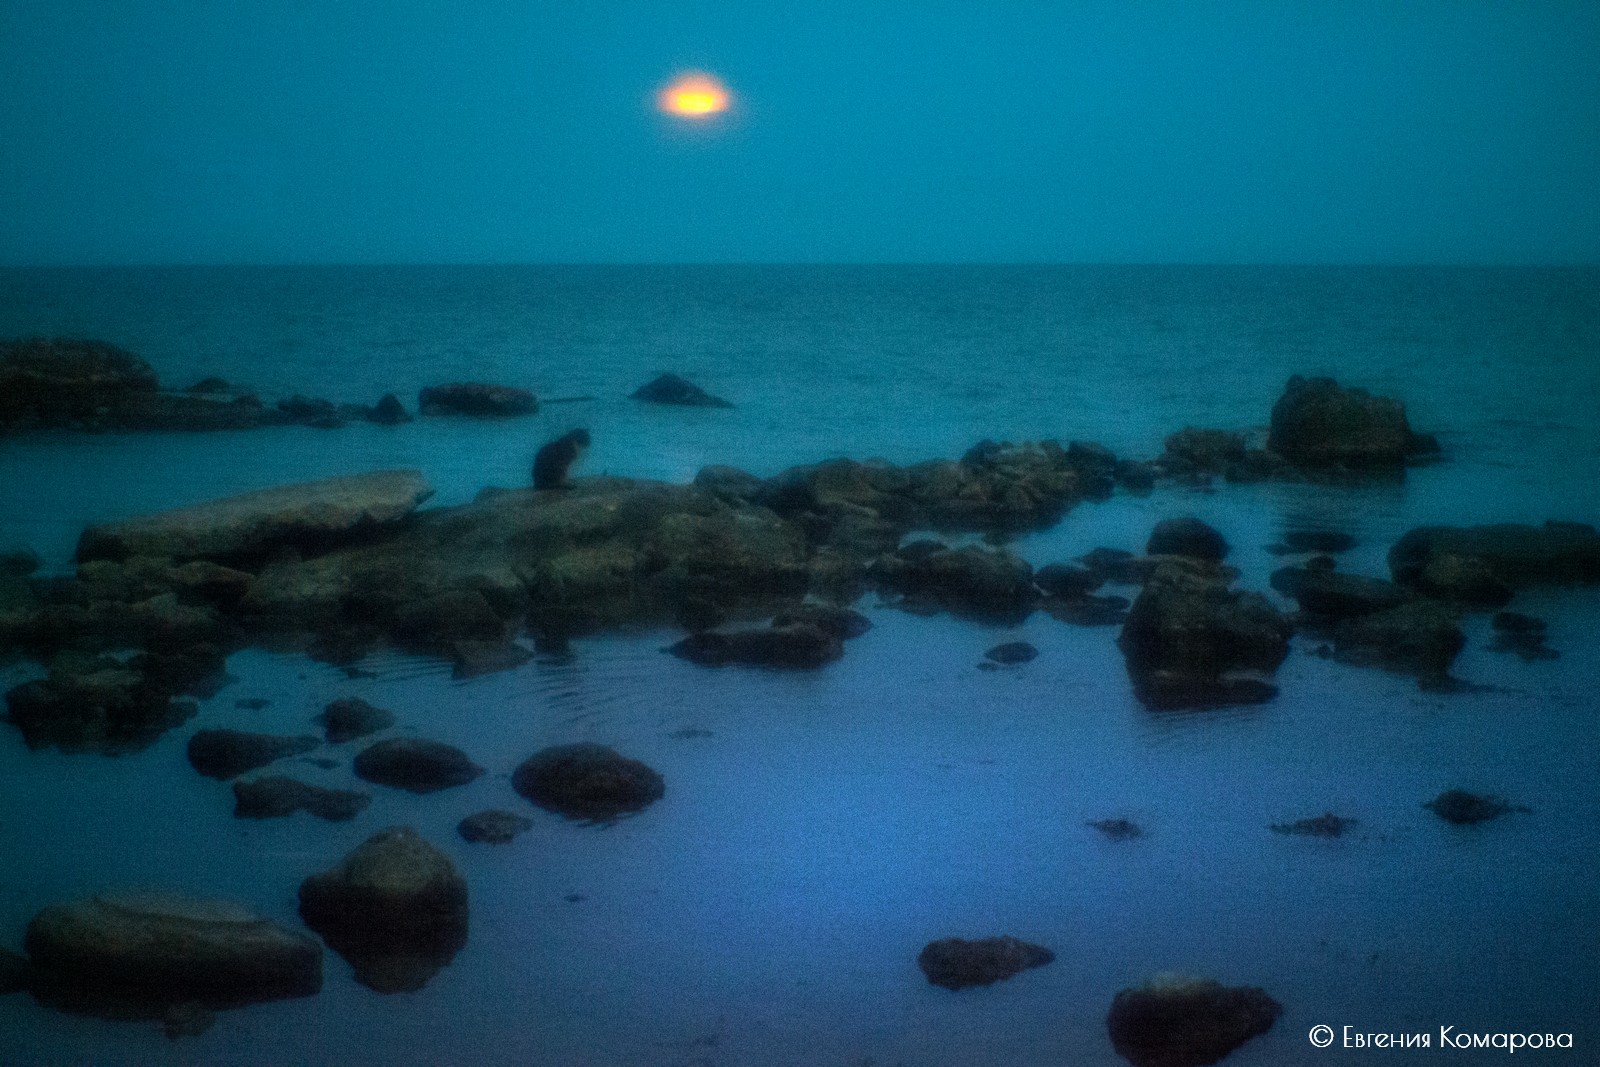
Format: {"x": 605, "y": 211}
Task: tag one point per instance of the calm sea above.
{"x": 769, "y": 911}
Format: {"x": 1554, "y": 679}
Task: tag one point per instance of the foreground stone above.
{"x": 587, "y": 781}
{"x": 1176, "y": 1021}
{"x": 671, "y": 389}
{"x": 309, "y": 518}
{"x": 395, "y": 908}
{"x": 224, "y": 754}
{"x": 1187, "y": 537}
{"x": 277, "y": 796}
{"x": 1315, "y": 423}
{"x": 476, "y": 399}
{"x": 139, "y": 954}
{"x": 955, "y": 963}
{"x": 415, "y": 765}
{"x": 1188, "y": 634}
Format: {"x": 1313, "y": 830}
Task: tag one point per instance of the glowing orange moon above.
{"x": 694, "y": 96}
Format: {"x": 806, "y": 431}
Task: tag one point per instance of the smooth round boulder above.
{"x": 395, "y": 908}
{"x": 348, "y": 718}
{"x": 140, "y": 952}
{"x": 416, "y": 765}
{"x": 587, "y": 781}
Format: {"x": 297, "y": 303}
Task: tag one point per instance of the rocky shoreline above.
{"x": 757, "y": 572}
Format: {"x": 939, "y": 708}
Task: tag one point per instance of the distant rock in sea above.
{"x": 476, "y": 399}
{"x": 956, "y": 963}
{"x": 671, "y": 389}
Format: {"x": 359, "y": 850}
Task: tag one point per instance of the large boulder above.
{"x": 141, "y": 954}
{"x": 51, "y": 382}
{"x": 1175, "y": 1021}
{"x": 348, "y": 718}
{"x": 1316, "y": 423}
{"x": 1557, "y": 553}
{"x": 956, "y": 963}
{"x": 1186, "y": 536}
{"x": 311, "y": 517}
{"x": 671, "y": 389}
{"x": 416, "y": 765}
{"x": 476, "y": 399}
{"x": 395, "y": 908}
{"x": 1188, "y": 634}
{"x": 587, "y": 781}
{"x": 988, "y": 583}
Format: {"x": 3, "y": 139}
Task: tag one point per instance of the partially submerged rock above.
{"x": 1117, "y": 829}
{"x": 1522, "y": 635}
{"x": 985, "y": 583}
{"x": 841, "y": 622}
{"x": 224, "y": 754}
{"x": 278, "y": 796}
{"x": 348, "y": 718}
{"x": 795, "y": 645}
{"x": 1463, "y": 808}
{"x": 94, "y": 705}
{"x": 1012, "y": 652}
{"x": 140, "y": 954}
{"x": 1188, "y": 634}
{"x": 1510, "y": 554}
{"x": 476, "y": 399}
{"x": 671, "y": 389}
{"x": 416, "y": 765}
{"x": 1316, "y": 423}
{"x": 1325, "y": 825}
{"x": 956, "y": 963}
{"x": 1420, "y": 637}
{"x": 395, "y": 908}
{"x": 309, "y": 518}
{"x": 587, "y": 781}
{"x": 1333, "y": 595}
{"x": 1313, "y": 540}
{"x": 1189, "y": 537}
{"x": 1176, "y": 1021}
{"x": 494, "y": 826}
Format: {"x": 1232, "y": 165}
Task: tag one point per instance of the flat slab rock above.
{"x": 956, "y": 963}
{"x": 312, "y": 514}
{"x": 151, "y": 950}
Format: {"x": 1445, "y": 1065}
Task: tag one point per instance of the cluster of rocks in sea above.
{"x": 345, "y": 566}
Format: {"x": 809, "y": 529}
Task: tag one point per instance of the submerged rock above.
{"x": 395, "y": 908}
{"x": 841, "y": 622}
{"x": 476, "y": 399}
{"x": 1315, "y": 423}
{"x": 471, "y": 659}
{"x": 1117, "y": 829}
{"x": 227, "y": 754}
{"x": 494, "y": 826}
{"x": 1187, "y": 537}
{"x": 18, "y": 561}
{"x": 1522, "y": 635}
{"x": 1188, "y": 633}
{"x": 989, "y": 584}
{"x": 955, "y": 963}
{"x": 388, "y": 411}
{"x": 1176, "y": 1021}
{"x": 671, "y": 389}
{"x": 1335, "y": 595}
{"x": 796, "y": 645}
{"x": 587, "y": 781}
{"x": 310, "y": 517}
{"x": 1463, "y": 808}
{"x": 1012, "y": 652}
{"x": 277, "y": 796}
{"x": 140, "y": 954}
{"x": 415, "y": 765}
{"x": 1067, "y": 580}
{"x": 348, "y": 718}
{"x": 1325, "y": 825}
